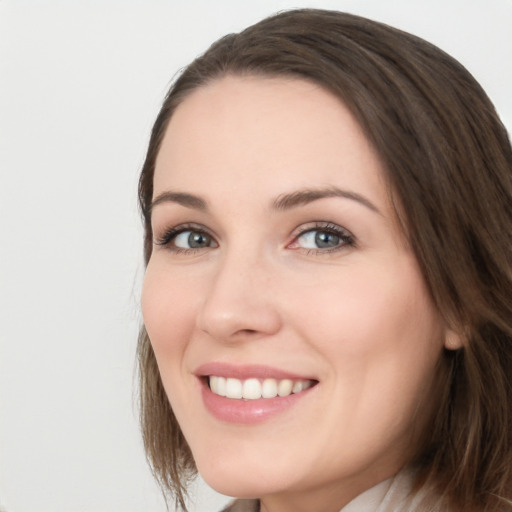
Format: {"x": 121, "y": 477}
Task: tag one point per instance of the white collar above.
{"x": 387, "y": 496}
{"x": 391, "y": 495}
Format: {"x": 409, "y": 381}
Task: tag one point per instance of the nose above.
{"x": 240, "y": 303}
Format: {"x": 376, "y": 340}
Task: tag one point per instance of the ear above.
{"x": 453, "y": 340}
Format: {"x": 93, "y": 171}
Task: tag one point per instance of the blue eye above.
{"x": 317, "y": 239}
{"x": 192, "y": 240}
{"x": 323, "y": 237}
{"x": 186, "y": 238}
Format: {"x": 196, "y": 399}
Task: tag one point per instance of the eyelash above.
{"x": 170, "y": 235}
{"x": 346, "y": 238}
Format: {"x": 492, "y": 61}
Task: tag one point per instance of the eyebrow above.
{"x": 281, "y": 203}
{"x": 182, "y": 198}
{"x": 306, "y": 196}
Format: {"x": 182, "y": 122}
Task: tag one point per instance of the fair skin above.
{"x": 321, "y": 286}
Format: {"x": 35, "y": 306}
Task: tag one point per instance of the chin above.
{"x": 247, "y": 481}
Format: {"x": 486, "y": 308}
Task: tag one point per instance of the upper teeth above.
{"x": 253, "y": 389}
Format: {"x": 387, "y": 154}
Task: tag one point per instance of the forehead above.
{"x": 262, "y": 135}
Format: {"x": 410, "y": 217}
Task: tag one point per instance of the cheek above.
{"x": 368, "y": 309}
{"x": 379, "y": 331}
{"x": 168, "y": 309}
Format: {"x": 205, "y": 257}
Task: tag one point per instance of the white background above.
{"x": 80, "y": 85}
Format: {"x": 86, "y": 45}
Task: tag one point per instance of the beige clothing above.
{"x": 243, "y": 506}
{"x": 388, "y": 496}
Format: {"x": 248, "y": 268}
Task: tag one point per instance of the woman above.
{"x": 327, "y": 303}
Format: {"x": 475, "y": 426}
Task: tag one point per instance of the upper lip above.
{"x": 246, "y": 371}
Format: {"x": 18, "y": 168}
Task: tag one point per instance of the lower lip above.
{"x": 248, "y": 411}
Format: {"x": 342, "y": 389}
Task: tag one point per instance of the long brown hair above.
{"x": 448, "y": 162}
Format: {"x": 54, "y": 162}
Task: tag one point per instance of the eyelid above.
{"x": 171, "y": 233}
{"x": 347, "y": 239}
{"x": 345, "y": 235}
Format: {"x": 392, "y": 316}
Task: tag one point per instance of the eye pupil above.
{"x": 198, "y": 240}
{"x": 324, "y": 239}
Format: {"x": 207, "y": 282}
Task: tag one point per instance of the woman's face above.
{"x": 278, "y": 266}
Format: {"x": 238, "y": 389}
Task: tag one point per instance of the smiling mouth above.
{"x": 256, "y": 389}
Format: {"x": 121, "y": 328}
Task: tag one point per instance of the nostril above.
{"x": 247, "y": 331}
